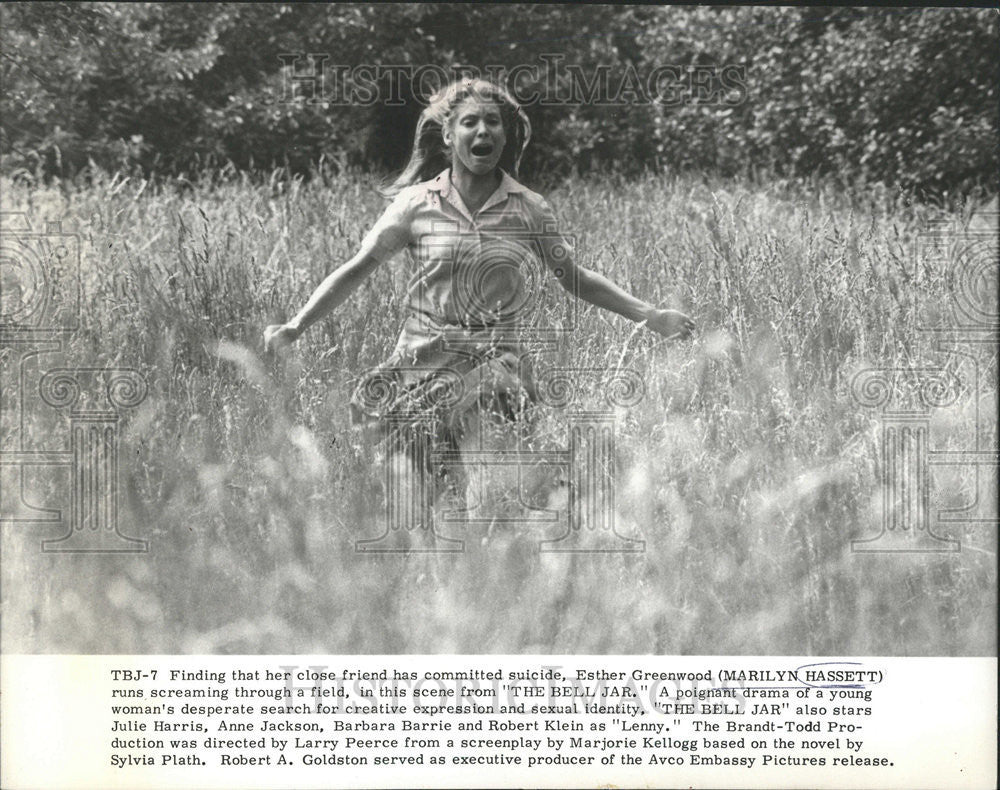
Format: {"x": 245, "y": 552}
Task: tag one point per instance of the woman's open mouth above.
{"x": 482, "y": 149}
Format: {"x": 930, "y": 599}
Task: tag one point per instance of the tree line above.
{"x": 903, "y": 97}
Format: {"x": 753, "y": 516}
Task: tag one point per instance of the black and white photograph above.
{"x": 501, "y": 330}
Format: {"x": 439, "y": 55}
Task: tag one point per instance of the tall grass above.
{"x": 747, "y": 468}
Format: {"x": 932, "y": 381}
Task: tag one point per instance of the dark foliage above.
{"x": 907, "y": 98}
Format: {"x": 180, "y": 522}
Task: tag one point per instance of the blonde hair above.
{"x": 430, "y": 155}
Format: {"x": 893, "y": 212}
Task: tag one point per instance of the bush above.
{"x": 907, "y": 98}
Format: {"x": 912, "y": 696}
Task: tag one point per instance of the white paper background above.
{"x": 934, "y": 718}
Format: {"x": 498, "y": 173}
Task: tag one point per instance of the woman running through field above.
{"x": 464, "y": 219}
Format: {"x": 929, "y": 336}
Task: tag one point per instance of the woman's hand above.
{"x": 672, "y": 324}
{"x": 279, "y": 336}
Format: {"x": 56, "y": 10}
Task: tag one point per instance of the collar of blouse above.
{"x": 443, "y": 186}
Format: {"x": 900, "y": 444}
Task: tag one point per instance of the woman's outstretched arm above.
{"x": 389, "y": 235}
{"x": 330, "y": 293}
{"x": 599, "y": 290}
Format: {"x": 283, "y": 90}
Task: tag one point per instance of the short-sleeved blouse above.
{"x": 471, "y": 299}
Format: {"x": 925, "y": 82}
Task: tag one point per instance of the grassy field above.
{"x": 747, "y": 468}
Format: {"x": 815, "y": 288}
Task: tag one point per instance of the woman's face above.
{"x": 476, "y": 136}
